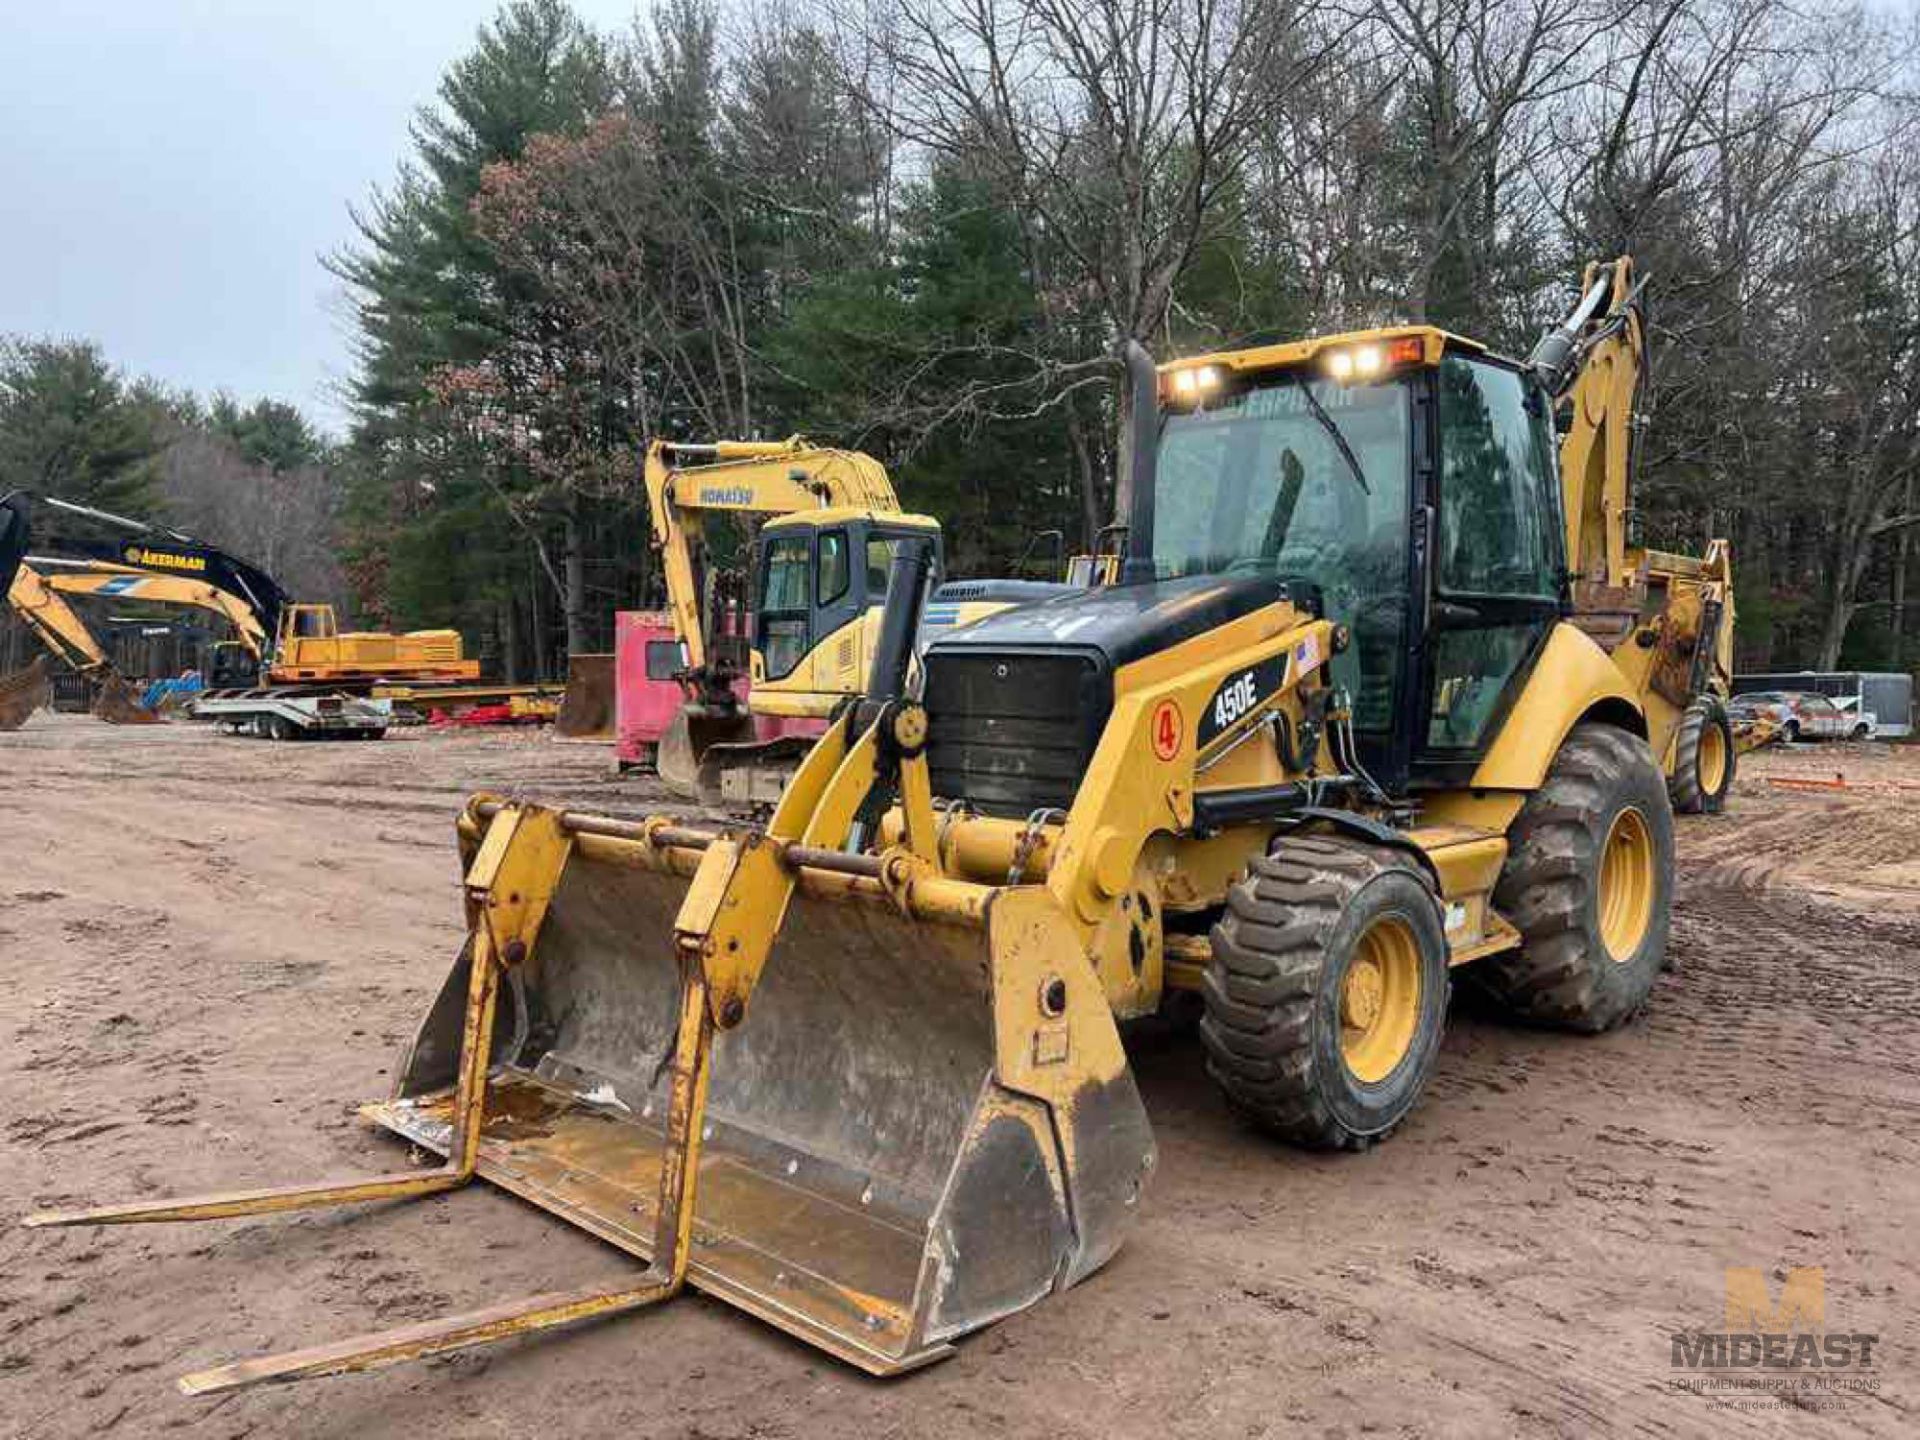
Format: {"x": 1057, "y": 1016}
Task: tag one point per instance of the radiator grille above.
{"x": 1013, "y": 733}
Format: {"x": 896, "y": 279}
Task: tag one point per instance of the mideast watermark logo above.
{"x": 1775, "y": 1349}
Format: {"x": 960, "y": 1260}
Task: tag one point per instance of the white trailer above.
{"x": 295, "y": 712}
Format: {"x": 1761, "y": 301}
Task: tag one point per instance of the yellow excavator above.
{"x": 237, "y": 660}
{"x": 767, "y": 663}
{"x": 60, "y": 630}
{"x": 289, "y": 670}
{"x": 1335, "y": 731}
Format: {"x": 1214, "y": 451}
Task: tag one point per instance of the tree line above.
{"x": 923, "y": 226}
{"x": 255, "y": 479}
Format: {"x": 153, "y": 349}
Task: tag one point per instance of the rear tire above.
{"x": 1589, "y": 883}
{"x": 1327, "y": 994}
{"x": 1703, "y": 759}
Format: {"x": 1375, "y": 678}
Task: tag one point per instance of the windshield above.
{"x": 1257, "y": 484}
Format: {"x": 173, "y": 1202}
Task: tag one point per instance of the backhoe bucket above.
{"x": 24, "y": 692}
{"x": 923, "y": 1122}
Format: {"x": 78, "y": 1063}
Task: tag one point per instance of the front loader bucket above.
{"x": 923, "y": 1123}
{"x": 24, "y": 692}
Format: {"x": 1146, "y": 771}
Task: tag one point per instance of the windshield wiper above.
{"x": 1319, "y": 413}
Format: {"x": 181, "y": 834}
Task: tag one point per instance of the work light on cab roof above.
{"x": 1369, "y": 361}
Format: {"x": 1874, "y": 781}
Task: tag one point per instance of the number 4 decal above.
{"x": 1166, "y": 729}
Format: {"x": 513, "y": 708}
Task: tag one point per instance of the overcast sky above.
{"x": 173, "y": 170}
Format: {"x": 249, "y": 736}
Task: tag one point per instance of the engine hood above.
{"x": 1125, "y": 623}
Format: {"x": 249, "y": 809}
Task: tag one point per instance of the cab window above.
{"x": 783, "y": 603}
{"x": 787, "y": 573}
{"x": 1497, "y": 551}
{"x": 834, "y": 573}
{"x": 1498, "y": 485}
{"x": 879, "y": 565}
{"x": 1300, "y": 478}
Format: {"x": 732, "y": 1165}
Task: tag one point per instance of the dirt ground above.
{"x": 214, "y": 948}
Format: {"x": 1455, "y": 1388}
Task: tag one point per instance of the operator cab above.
{"x": 819, "y": 571}
{"x": 1403, "y": 483}
{"x": 1411, "y": 477}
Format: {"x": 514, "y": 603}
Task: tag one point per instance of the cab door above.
{"x": 1497, "y": 573}
{"x": 783, "y": 621}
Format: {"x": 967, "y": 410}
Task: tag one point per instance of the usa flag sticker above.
{"x": 1306, "y": 655}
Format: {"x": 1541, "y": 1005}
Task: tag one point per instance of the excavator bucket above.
{"x": 24, "y": 692}
{"x": 586, "y": 708}
{"x": 686, "y": 740}
{"x": 924, "y": 1121}
{"x": 115, "y": 702}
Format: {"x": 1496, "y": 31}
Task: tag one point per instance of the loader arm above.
{"x": 846, "y": 1185}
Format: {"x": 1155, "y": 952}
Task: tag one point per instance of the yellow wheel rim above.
{"x": 1712, "y": 761}
{"x": 1626, "y": 885}
{"x": 1380, "y": 1000}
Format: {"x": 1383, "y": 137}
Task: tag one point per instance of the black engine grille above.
{"x": 1013, "y": 732}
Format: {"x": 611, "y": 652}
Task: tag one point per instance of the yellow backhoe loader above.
{"x": 1331, "y": 734}
{"x": 798, "y": 636}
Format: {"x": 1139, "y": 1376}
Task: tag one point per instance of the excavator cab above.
{"x": 822, "y": 578}
{"x": 15, "y": 535}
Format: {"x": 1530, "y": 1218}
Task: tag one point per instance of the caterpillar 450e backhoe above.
{"x": 1331, "y": 735}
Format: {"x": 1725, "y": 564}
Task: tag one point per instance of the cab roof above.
{"x": 1299, "y": 352}
{"x": 843, "y": 514}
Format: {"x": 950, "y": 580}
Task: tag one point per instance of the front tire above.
{"x": 1327, "y": 994}
{"x": 1589, "y": 882}
{"x": 1703, "y": 759}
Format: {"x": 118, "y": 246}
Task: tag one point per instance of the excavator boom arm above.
{"x": 1593, "y": 364}
{"x": 99, "y": 577}
{"x": 54, "y": 622}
